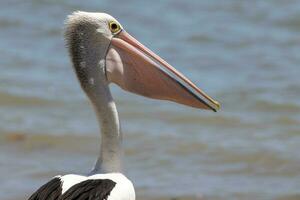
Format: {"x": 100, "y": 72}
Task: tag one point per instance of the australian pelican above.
{"x": 102, "y": 52}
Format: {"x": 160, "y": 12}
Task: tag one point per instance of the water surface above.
{"x": 245, "y": 54}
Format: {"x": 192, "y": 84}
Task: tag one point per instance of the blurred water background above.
{"x": 245, "y": 54}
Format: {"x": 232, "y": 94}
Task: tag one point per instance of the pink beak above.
{"x": 137, "y": 69}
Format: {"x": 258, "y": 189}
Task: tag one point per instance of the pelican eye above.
{"x": 114, "y": 27}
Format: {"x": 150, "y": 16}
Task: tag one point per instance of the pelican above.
{"x": 102, "y": 52}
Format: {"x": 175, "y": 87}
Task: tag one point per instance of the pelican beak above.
{"x": 137, "y": 69}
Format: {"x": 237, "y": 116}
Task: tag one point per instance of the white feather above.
{"x": 123, "y": 190}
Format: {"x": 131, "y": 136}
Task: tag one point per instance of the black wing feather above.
{"x": 49, "y": 191}
{"x": 94, "y": 189}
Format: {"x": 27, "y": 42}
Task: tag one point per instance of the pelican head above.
{"x": 102, "y": 52}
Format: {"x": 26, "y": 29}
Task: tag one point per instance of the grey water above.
{"x": 245, "y": 54}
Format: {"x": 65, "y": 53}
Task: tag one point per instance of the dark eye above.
{"x": 114, "y": 27}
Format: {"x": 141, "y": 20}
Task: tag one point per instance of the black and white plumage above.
{"x": 102, "y": 52}
{"x": 95, "y": 187}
